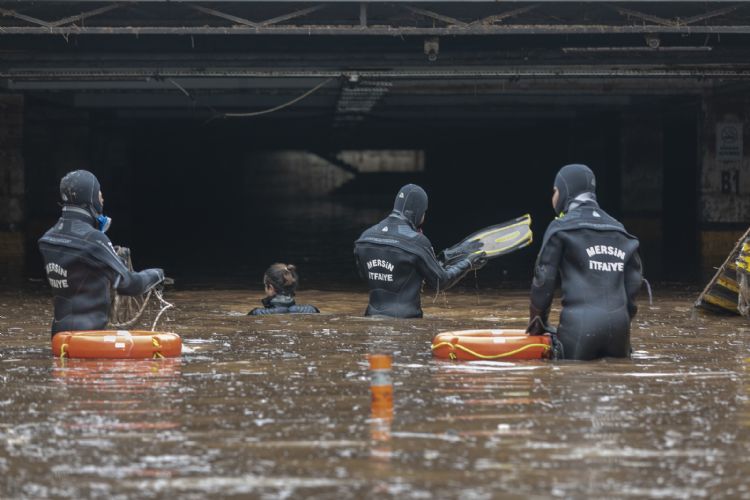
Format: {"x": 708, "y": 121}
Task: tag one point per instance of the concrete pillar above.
{"x": 724, "y": 205}
{"x": 642, "y": 185}
{"x": 12, "y": 188}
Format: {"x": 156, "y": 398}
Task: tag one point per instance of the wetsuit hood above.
{"x": 80, "y": 188}
{"x": 411, "y": 204}
{"x": 573, "y": 182}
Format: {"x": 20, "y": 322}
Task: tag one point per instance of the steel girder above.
{"x": 434, "y": 18}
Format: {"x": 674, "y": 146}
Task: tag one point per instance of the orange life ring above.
{"x": 116, "y": 344}
{"x": 472, "y": 345}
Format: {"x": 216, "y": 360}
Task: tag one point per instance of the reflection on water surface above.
{"x": 280, "y": 406}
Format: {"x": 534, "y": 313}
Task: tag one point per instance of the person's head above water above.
{"x": 411, "y": 203}
{"x": 80, "y": 188}
{"x": 281, "y": 279}
{"x": 574, "y": 182}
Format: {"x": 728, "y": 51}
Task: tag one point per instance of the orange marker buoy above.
{"x": 381, "y": 408}
{"x": 381, "y": 385}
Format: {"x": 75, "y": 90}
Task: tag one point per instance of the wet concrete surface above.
{"x": 280, "y": 407}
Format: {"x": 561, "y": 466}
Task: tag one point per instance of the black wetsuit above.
{"x": 600, "y": 270}
{"x": 81, "y": 266}
{"x": 394, "y": 258}
{"x": 282, "y": 304}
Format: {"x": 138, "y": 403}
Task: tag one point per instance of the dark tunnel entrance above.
{"x": 221, "y": 200}
{"x": 483, "y": 123}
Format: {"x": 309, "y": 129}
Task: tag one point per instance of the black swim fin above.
{"x": 494, "y": 241}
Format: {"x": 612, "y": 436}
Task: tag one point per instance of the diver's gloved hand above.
{"x": 539, "y": 327}
{"x": 477, "y": 260}
{"x": 156, "y": 274}
{"x": 461, "y": 251}
{"x": 536, "y": 326}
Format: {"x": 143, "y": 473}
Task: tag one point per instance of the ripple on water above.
{"x": 280, "y": 407}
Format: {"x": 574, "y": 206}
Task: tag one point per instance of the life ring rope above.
{"x": 486, "y": 356}
{"x": 63, "y": 351}
{"x": 157, "y": 292}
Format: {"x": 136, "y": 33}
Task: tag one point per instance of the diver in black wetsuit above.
{"x": 80, "y": 262}
{"x": 395, "y": 258}
{"x": 600, "y": 270}
{"x": 281, "y": 282}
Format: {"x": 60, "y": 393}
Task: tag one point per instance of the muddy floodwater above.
{"x": 280, "y": 407}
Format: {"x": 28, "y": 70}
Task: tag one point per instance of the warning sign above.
{"x": 729, "y": 141}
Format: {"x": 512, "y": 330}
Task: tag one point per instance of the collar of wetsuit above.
{"x": 78, "y": 213}
{"x": 401, "y": 217}
{"x": 583, "y": 199}
{"x": 278, "y": 300}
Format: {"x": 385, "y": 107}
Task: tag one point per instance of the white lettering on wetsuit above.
{"x": 58, "y": 283}
{"x": 380, "y": 263}
{"x": 380, "y": 276}
{"x": 57, "y": 269}
{"x": 53, "y": 268}
{"x": 384, "y": 264}
{"x": 605, "y": 250}
{"x": 607, "y": 266}
{"x": 611, "y": 267}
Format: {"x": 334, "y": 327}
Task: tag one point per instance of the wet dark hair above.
{"x": 283, "y": 278}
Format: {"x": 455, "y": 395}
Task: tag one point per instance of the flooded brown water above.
{"x": 280, "y": 406}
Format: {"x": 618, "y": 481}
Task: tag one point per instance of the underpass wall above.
{"x": 12, "y": 188}
{"x": 724, "y": 197}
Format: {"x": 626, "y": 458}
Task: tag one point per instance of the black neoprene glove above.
{"x": 156, "y": 274}
{"x": 477, "y": 260}
{"x": 537, "y": 326}
{"x": 460, "y": 251}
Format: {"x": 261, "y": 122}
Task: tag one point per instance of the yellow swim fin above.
{"x": 496, "y": 240}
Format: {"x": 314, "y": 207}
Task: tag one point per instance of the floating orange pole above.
{"x": 381, "y": 408}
